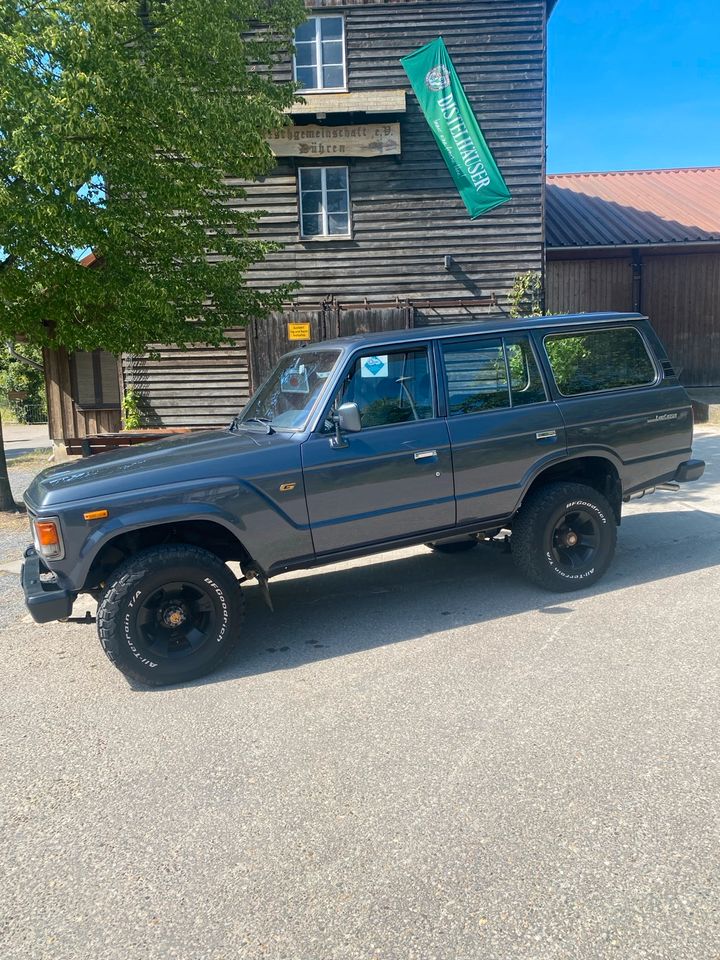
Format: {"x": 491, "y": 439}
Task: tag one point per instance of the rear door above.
{"x": 503, "y": 426}
{"x": 393, "y": 478}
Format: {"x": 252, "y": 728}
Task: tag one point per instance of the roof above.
{"x": 633, "y": 208}
{"x": 444, "y": 330}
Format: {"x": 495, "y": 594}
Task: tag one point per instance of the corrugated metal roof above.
{"x": 633, "y": 208}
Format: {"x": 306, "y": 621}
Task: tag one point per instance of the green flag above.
{"x": 455, "y": 128}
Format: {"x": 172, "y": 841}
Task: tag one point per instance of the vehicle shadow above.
{"x": 336, "y": 612}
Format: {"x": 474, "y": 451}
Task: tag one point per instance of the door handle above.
{"x": 546, "y": 435}
{"x": 426, "y": 455}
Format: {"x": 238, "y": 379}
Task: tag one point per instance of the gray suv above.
{"x": 444, "y": 436}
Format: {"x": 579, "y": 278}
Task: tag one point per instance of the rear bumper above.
{"x": 689, "y": 470}
{"x": 44, "y": 599}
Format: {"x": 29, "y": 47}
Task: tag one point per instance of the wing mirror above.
{"x": 347, "y": 420}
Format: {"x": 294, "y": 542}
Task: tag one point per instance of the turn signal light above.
{"x": 48, "y": 541}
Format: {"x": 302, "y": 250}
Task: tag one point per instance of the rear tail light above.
{"x": 48, "y": 539}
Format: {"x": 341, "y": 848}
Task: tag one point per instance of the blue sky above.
{"x": 633, "y": 84}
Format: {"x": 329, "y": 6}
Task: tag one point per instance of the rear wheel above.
{"x": 170, "y": 614}
{"x": 453, "y": 546}
{"x": 564, "y": 536}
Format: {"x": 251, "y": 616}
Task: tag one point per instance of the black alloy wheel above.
{"x": 564, "y": 536}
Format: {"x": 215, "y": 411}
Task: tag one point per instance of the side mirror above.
{"x": 349, "y": 418}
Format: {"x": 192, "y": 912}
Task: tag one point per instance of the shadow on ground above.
{"x": 338, "y": 612}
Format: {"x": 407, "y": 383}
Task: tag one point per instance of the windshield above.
{"x": 285, "y": 400}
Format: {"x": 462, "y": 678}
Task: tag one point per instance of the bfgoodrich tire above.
{"x": 564, "y": 536}
{"x": 170, "y": 614}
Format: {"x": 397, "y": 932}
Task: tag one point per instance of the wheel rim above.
{"x": 176, "y": 620}
{"x": 576, "y": 540}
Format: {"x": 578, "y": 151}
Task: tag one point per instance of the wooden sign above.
{"x": 299, "y": 331}
{"x": 358, "y": 140}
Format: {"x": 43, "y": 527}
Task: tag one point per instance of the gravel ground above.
{"x": 416, "y": 757}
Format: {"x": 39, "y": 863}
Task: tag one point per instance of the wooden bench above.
{"x": 102, "y": 442}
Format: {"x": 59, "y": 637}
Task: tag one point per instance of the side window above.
{"x": 476, "y": 376}
{"x": 526, "y": 385}
{"x": 389, "y": 388}
{"x": 599, "y": 360}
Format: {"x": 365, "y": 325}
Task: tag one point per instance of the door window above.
{"x": 491, "y": 373}
{"x": 389, "y": 388}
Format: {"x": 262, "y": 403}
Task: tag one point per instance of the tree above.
{"x": 126, "y": 125}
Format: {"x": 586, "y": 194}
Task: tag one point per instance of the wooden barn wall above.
{"x": 576, "y": 286}
{"x": 681, "y": 295}
{"x": 65, "y": 419}
{"x": 406, "y": 212}
{"x": 197, "y": 387}
{"x": 679, "y": 292}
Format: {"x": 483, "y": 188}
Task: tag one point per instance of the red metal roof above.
{"x": 633, "y": 208}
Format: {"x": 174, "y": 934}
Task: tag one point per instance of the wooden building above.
{"x": 642, "y": 240}
{"x": 371, "y": 223}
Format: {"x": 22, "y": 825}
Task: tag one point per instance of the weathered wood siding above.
{"x": 681, "y": 295}
{"x": 679, "y": 292}
{"x": 197, "y": 387}
{"x": 574, "y": 286}
{"x": 406, "y": 212}
{"x": 65, "y": 419}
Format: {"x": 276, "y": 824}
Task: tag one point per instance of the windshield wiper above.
{"x": 263, "y": 421}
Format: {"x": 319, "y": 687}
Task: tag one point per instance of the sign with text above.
{"x": 357, "y": 140}
{"x": 299, "y": 331}
{"x": 455, "y": 128}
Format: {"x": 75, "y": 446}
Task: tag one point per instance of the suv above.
{"x": 443, "y": 436}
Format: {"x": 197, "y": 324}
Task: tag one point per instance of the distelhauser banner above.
{"x": 455, "y": 128}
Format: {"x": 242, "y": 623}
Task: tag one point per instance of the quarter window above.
{"x": 324, "y": 202}
{"x": 320, "y": 53}
{"x": 491, "y": 374}
{"x": 599, "y": 360}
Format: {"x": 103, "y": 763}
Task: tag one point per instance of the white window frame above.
{"x": 325, "y": 235}
{"x": 318, "y": 56}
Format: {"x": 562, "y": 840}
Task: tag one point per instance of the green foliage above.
{"x": 132, "y": 411}
{"x": 156, "y": 100}
{"x": 16, "y": 376}
{"x": 526, "y": 296}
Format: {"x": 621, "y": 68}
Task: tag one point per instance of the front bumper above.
{"x": 44, "y": 599}
{"x": 689, "y": 470}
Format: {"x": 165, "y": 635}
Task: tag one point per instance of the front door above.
{"x": 394, "y": 478}
{"x": 502, "y": 425}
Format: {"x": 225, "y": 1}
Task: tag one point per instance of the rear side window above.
{"x": 478, "y": 370}
{"x": 599, "y": 360}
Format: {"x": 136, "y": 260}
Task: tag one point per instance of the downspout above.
{"x": 637, "y": 271}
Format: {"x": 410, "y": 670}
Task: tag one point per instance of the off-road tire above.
{"x": 452, "y": 546}
{"x": 131, "y": 589}
{"x": 535, "y": 536}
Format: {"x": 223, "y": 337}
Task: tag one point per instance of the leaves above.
{"x": 120, "y": 120}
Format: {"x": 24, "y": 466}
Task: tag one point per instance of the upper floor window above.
{"x": 324, "y": 202}
{"x": 320, "y": 53}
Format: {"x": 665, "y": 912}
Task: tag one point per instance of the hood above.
{"x": 177, "y": 459}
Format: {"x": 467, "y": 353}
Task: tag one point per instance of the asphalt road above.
{"x": 415, "y": 757}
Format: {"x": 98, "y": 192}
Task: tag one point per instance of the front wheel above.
{"x": 564, "y": 536}
{"x": 170, "y": 614}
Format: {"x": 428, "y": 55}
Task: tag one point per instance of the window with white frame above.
{"x": 324, "y": 202}
{"x": 320, "y": 53}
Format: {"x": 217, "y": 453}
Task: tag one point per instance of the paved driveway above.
{"x": 415, "y": 757}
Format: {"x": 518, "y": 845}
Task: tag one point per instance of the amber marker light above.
{"x": 95, "y": 515}
{"x": 48, "y": 541}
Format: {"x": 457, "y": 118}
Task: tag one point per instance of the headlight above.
{"x": 48, "y": 539}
